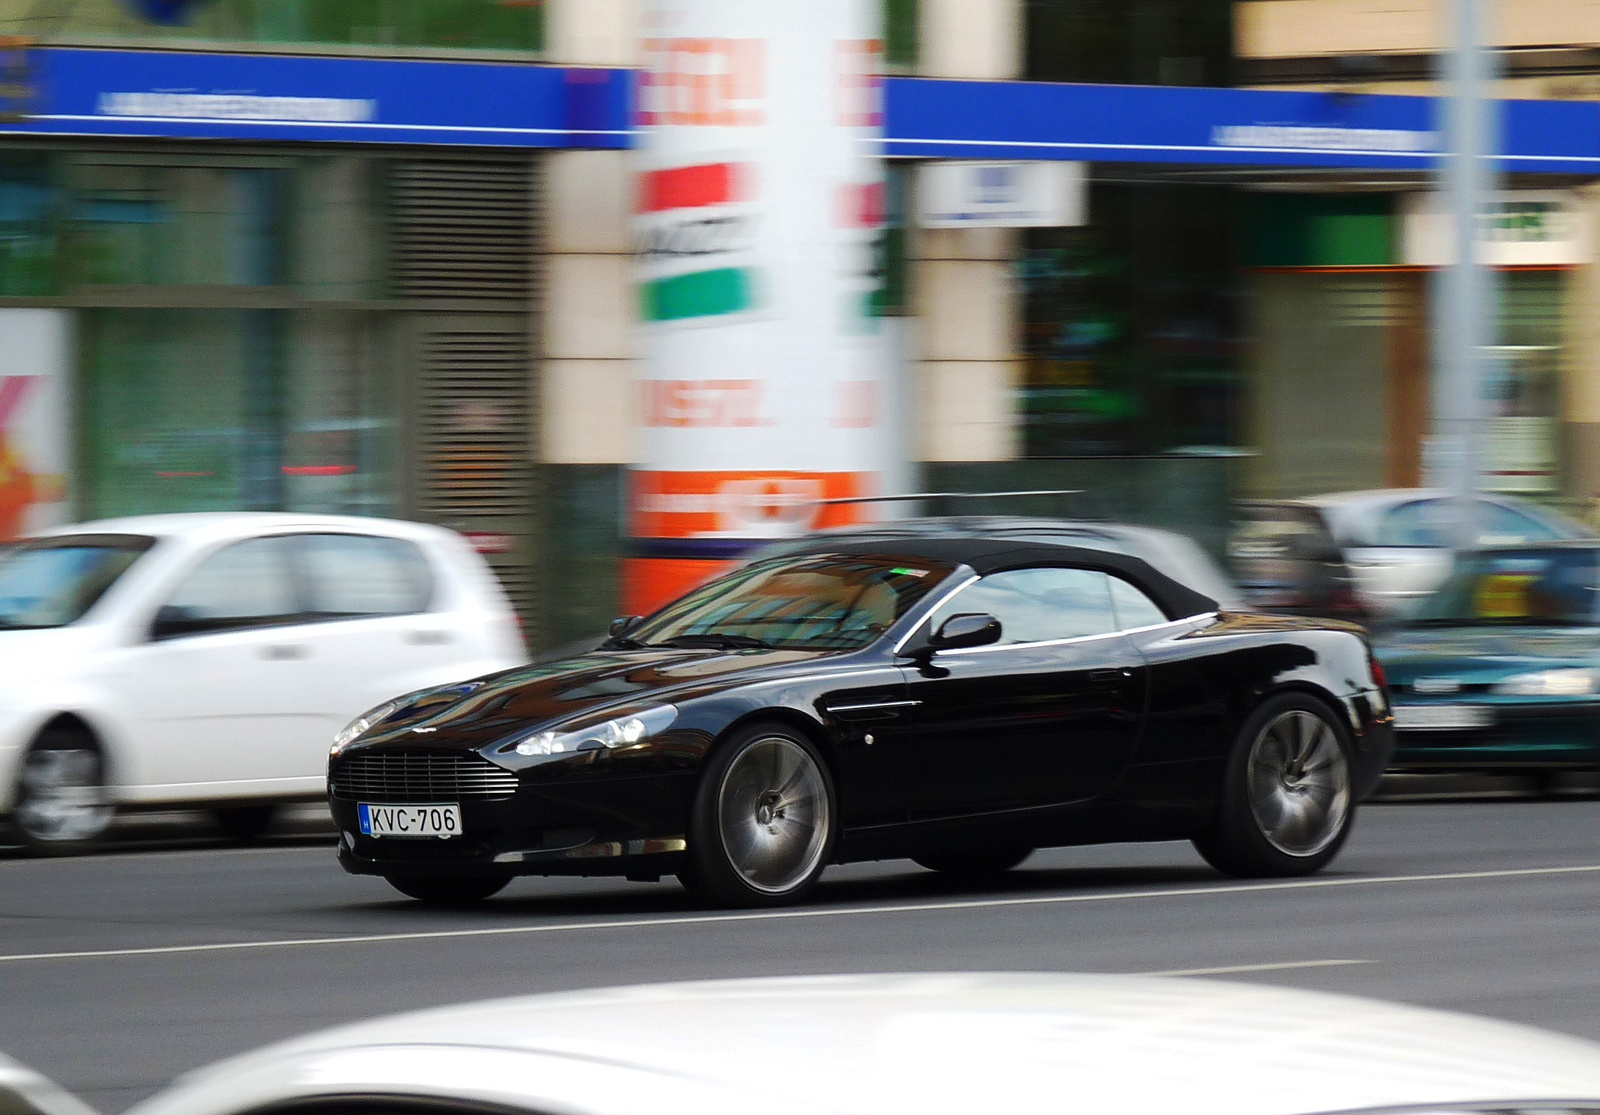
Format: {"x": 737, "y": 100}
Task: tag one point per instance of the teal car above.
{"x": 1500, "y": 668}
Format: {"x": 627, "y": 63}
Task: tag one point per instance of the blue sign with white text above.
{"x": 1140, "y": 123}
{"x": 351, "y": 100}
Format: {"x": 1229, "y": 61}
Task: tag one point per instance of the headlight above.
{"x": 361, "y": 725}
{"x": 1550, "y": 683}
{"x": 620, "y": 732}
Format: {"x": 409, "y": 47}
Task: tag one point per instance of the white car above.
{"x": 209, "y": 659}
{"x": 924, "y": 1044}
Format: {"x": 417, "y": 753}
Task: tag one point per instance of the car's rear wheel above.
{"x": 448, "y": 890}
{"x": 762, "y": 829}
{"x": 1286, "y": 804}
{"x": 245, "y": 823}
{"x": 61, "y": 803}
{"x": 974, "y": 865}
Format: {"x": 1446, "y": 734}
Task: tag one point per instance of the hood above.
{"x": 28, "y": 653}
{"x": 1484, "y": 655}
{"x": 476, "y": 714}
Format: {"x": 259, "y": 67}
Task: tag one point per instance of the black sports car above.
{"x": 958, "y": 701}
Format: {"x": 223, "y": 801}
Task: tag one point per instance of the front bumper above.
{"x": 620, "y": 826}
{"x": 1515, "y": 734}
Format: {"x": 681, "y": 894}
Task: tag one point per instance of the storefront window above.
{"x": 1130, "y": 325}
{"x": 203, "y": 410}
{"x": 900, "y": 33}
{"x": 1523, "y": 395}
{"x": 131, "y": 224}
{"x": 464, "y": 24}
{"x": 1134, "y": 42}
{"x": 30, "y": 203}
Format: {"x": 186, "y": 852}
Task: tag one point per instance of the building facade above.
{"x": 381, "y": 258}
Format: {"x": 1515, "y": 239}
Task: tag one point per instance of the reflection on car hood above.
{"x": 1485, "y": 654}
{"x": 556, "y": 691}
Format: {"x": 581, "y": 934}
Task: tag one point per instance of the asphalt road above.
{"x": 121, "y": 970}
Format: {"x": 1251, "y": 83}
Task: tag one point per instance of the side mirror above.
{"x": 173, "y": 620}
{"x": 622, "y": 625}
{"x": 970, "y": 629}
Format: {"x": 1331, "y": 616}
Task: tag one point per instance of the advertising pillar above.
{"x": 761, "y": 207}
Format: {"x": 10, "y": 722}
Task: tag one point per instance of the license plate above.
{"x": 410, "y": 820}
{"x": 1441, "y": 718}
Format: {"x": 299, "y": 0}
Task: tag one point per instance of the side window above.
{"x": 247, "y": 584}
{"x": 1424, "y": 522}
{"x": 1037, "y": 605}
{"x": 1133, "y": 607}
{"x": 1498, "y": 524}
{"x": 360, "y": 575}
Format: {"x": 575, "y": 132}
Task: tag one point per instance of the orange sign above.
{"x": 704, "y": 403}
{"x": 720, "y": 83}
{"x": 744, "y": 504}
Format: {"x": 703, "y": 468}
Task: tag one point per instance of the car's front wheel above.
{"x": 62, "y": 805}
{"x": 448, "y": 890}
{"x": 1286, "y": 804}
{"x": 762, "y": 828}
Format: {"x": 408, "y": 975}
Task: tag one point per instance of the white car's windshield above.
{"x": 52, "y": 582}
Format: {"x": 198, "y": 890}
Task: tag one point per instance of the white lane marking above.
{"x": 823, "y": 912}
{"x": 1238, "y": 969}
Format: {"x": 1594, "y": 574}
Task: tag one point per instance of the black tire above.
{"x": 974, "y": 865}
{"x": 764, "y": 822}
{"x": 448, "y": 890}
{"x": 1287, "y": 798}
{"x": 61, "y": 806}
{"x": 245, "y": 823}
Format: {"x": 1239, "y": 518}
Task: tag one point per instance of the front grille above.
{"x": 420, "y": 777}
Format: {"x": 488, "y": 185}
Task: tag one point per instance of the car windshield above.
{"x": 829, "y": 602}
{"x": 1540, "y": 587}
{"x": 53, "y": 582}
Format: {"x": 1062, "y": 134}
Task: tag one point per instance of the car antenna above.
{"x": 912, "y": 497}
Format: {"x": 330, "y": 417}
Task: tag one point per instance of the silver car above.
{"x": 1373, "y": 554}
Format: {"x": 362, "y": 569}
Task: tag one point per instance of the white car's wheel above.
{"x": 61, "y": 804}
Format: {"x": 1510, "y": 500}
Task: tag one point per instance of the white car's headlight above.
{"x": 1551, "y": 683}
{"x": 620, "y": 732}
{"x": 361, "y": 725}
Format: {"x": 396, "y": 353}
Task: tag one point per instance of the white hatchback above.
{"x": 209, "y": 659}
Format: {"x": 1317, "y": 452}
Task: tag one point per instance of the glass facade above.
{"x": 1130, "y": 325}
{"x": 232, "y": 351}
{"x": 504, "y": 25}
{"x": 1129, "y": 42}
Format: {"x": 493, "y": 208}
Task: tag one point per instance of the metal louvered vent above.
{"x": 475, "y": 418}
{"x": 420, "y": 777}
{"x": 463, "y": 229}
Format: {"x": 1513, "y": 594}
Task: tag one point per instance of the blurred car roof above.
{"x": 1350, "y": 515}
{"x": 1168, "y": 552}
{"x": 240, "y": 524}
{"x": 917, "y": 1043}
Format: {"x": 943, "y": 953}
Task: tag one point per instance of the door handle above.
{"x": 428, "y": 638}
{"x": 1109, "y": 677}
{"x": 284, "y": 652}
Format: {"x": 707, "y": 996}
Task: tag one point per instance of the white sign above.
{"x": 1001, "y": 195}
{"x": 760, "y": 212}
{"x": 1520, "y": 228}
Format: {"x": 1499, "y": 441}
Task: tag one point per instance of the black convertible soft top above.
{"x": 992, "y": 555}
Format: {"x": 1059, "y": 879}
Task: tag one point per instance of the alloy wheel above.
{"x": 773, "y": 815}
{"x": 1298, "y": 783}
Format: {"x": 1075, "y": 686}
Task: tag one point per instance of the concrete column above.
{"x": 980, "y": 40}
{"x": 968, "y": 305}
{"x": 588, "y": 401}
{"x": 1580, "y": 412}
{"x": 969, "y": 334}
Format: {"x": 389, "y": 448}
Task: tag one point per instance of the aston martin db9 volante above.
{"x": 957, "y": 701}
